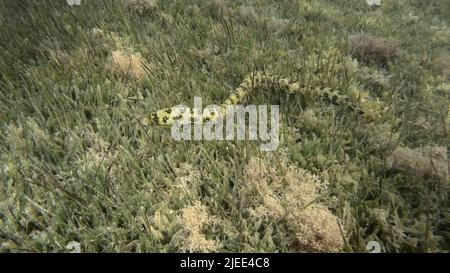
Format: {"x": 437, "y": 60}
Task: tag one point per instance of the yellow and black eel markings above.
{"x": 254, "y": 80}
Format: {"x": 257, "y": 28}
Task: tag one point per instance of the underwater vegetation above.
{"x": 77, "y": 167}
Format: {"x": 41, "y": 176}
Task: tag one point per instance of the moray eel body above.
{"x": 254, "y": 80}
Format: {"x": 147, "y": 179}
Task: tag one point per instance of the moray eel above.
{"x": 253, "y": 81}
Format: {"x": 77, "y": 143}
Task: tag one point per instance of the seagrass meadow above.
{"x": 80, "y": 172}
